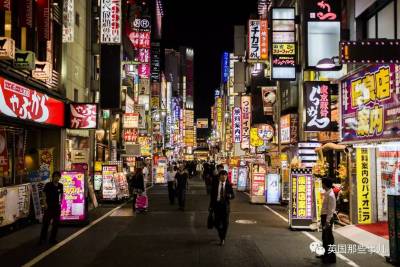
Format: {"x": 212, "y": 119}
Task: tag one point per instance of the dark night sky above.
{"x": 207, "y": 26}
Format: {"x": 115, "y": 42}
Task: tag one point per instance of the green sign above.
{"x": 24, "y": 60}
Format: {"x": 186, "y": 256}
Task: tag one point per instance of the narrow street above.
{"x": 166, "y": 236}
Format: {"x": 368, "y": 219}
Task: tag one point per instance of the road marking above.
{"x": 340, "y": 256}
{"x": 65, "y": 241}
{"x": 276, "y": 213}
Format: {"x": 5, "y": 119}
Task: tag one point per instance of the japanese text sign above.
{"x": 318, "y": 106}
{"x": 301, "y": 195}
{"x": 237, "y": 124}
{"x": 68, "y": 21}
{"x": 363, "y": 186}
{"x": 110, "y": 22}
{"x": 370, "y": 104}
{"x": 20, "y": 102}
{"x": 131, "y": 120}
{"x": 83, "y": 116}
{"x": 246, "y": 120}
{"x": 254, "y": 39}
{"x": 322, "y": 10}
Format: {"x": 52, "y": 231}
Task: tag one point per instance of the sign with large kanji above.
{"x": 254, "y": 39}
{"x": 364, "y": 205}
{"x": 110, "y": 22}
{"x": 20, "y": 102}
{"x": 318, "y": 106}
{"x": 83, "y": 116}
{"x": 237, "y": 124}
{"x": 246, "y": 121}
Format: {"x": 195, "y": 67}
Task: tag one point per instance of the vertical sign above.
{"x": 301, "y": 198}
{"x": 283, "y": 44}
{"x": 68, "y": 21}
{"x": 237, "y": 124}
{"x": 25, "y": 13}
{"x": 225, "y": 67}
{"x": 318, "y": 106}
{"x": 73, "y": 201}
{"x": 264, "y": 39}
{"x": 109, "y": 188}
{"x": 43, "y": 19}
{"x": 246, "y": 121}
{"x": 110, "y": 22}
{"x": 254, "y": 39}
{"x": 363, "y": 186}
{"x": 219, "y": 115}
{"x": 155, "y": 62}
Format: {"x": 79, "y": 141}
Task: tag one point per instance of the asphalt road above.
{"x": 165, "y": 236}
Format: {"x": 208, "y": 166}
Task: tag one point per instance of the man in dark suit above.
{"x": 221, "y": 194}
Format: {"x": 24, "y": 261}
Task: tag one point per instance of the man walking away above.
{"x": 171, "y": 184}
{"x": 182, "y": 184}
{"x": 327, "y": 211}
{"x": 53, "y": 192}
{"x": 221, "y": 195}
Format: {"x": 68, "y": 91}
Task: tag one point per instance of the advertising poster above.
{"x": 371, "y": 104}
{"x": 301, "y": 198}
{"x": 234, "y": 176}
{"x": 46, "y": 162}
{"x": 258, "y": 180}
{"x": 12, "y": 205}
{"x": 37, "y": 198}
{"x": 145, "y": 145}
{"x": 242, "y": 178}
{"x": 246, "y": 121}
{"x": 121, "y": 185}
{"x": 4, "y": 163}
{"x": 273, "y": 188}
{"x": 109, "y": 188}
{"x": 110, "y": 22}
{"x": 363, "y": 186}
{"x": 98, "y": 179}
{"x": 24, "y": 197}
{"x": 73, "y": 202}
{"x": 83, "y": 116}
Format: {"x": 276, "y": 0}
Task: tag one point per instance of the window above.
{"x": 371, "y": 28}
{"x": 386, "y": 22}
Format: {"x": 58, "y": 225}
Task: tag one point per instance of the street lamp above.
{"x": 326, "y": 63}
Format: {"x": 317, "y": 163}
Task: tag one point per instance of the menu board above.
{"x": 273, "y": 188}
{"x": 73, "y": 201}
{"x": 301, "y": 198}
{"x": 109, "y": 188}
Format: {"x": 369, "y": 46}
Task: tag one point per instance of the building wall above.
{"x": 74, "y": 57}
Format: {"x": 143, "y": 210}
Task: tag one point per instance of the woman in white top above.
{"x": 171, "y": 184}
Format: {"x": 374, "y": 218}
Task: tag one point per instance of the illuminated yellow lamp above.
{"x": 29, "y": 162}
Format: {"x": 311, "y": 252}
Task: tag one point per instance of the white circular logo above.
{"x": 145, "y": 23}
{"x": 317, "y": 248}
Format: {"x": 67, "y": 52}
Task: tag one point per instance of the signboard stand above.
{"x": 301, "y": 199}
{"x": 257, "y": 184}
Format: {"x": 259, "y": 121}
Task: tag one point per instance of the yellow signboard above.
{"x": 283, "y": 49}
{"x": 363, "y": 186}
{"x": 255, "y": 139}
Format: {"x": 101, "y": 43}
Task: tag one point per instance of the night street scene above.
{"x": 252, "y": 133}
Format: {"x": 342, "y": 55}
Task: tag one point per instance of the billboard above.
{"x": 202, "y": 123}
{"x": 301, "y": 198}
{"x": 246, "y": 121}
{"x": 254, "y": 39}
{"x": 370, "y": 104}
{"x": 73, "y": 203}
{"x": 83, "y": 116}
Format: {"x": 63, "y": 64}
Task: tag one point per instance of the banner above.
{"x": 37, "y": 198}
{"x": 46, "y": 162}
{"x": 318, "y": 106}
{"x": 364, "y": 204}
{"x": 4, "y": 160}
{"x": 20, "y": 102}
{"x": 68, "y": 21}
{"x": 371, "y": 104}
{"x": 73, "y": 201}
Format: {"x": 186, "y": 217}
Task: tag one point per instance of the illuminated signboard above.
{"x": 68, "y": 21}
{"x": 110, "y": 22}
{"x": 318, "y": 106}
{"x": 264, "y": 39}
{"x": 83, "y": 116}
{"x": 254, "y": 39}
{"x": 7, "y": 48}
{"x": 283, "y": 44}
{"x": 363, "y": 186}
{"x": 246, "y": 121}
{"x": 225, "y": 67}
{"x": 289, "y": 124}
{"x": 273, "y": 188}
{"x": 370, "y": 104}
{"x": 20, "y": 102}
{"x": 322, "y": 20}
{"x": 109, "y": 188}
{"x": 269, "y": 99}
{"x": 130, "y": 135}
{"x": 301, "y": 200}
{"x": 237, "y": 124}
{"x": 202, "y": 123}
{"x": 73, "y": 201}
{"x": 131, "y": 120}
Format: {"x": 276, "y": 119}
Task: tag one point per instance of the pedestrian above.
{"x": 53, "y": 192}
{"x": 137, "y": 185}
{"x": 216, "y": 172}
{"x": 171, "y": 172}
{"x": 146, "y": 172}
{"x": 221, "y": 194}
{"x": 181, "y": 178}
{"x": 199, "y": 169}
{"x": 327, "y": 216}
